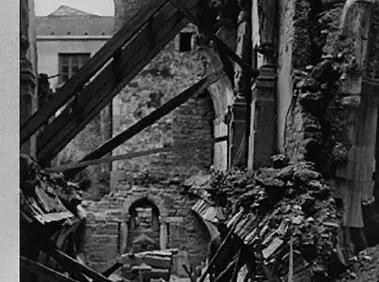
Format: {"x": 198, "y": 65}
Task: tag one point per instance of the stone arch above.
{"x": 144, "y": 226}
{"x": 222, "y": 96}
{"x": 154, "y": 199}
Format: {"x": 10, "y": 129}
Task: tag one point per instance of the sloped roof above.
{"x": 67, "y": 21}
{"x": 64, "y": 11}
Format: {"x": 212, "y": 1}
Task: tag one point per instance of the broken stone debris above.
{"x": 363, "y": 267}
{"x": 43, "y": 197}
{"x": 277, "y": 203}
{"x": 151, "y": 265}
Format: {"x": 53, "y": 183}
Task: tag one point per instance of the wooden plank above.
{"x": 95, "y": 63}
{"x": 112, "y": 269}
{"x": 223, "y": 243}
{"x": 71, "y": 264}
{"x": 173, "y": 103}
{"x": 122, "y": 157}
{"x": 43, "y": 272}
{"x": 96, "y": 98}
{"x": 206, "y": 30}
{"x": 110, "y": 76}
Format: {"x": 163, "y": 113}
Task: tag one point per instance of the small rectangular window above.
{"x": 185, "y": 41}
{"x": 69, "y": 64}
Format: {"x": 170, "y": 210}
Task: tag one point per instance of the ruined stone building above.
{"x": 66, "y": 39}
{"x": 303, "y": 85}
{"x": 171, "y": 223}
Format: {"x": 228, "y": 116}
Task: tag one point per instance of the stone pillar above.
{"x": 163, "y": 236}
{"x": 220, "y": 155}
{"x": 262, "y": 141}
{"x": 123, "y": 236}
{"x": 263, "y": 138}
{"x": 238, "y": 133}
{"x": 267, "y": 14}
{"x": 241, "y": 108}
{"x": 356, "y": 23}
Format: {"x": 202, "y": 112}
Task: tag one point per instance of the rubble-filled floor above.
{"x": 364, "y": 267}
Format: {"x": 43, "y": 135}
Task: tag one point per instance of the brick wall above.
{"x": 103, "y": 237}
{"x": 168, "y": 74}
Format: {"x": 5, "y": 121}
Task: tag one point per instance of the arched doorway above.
{"x": 144, "y": 227}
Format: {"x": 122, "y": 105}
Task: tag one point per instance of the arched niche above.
{"x": 143, "y": 226}
{"x": 155, "y": 200}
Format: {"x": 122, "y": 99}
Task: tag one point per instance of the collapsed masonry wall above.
{"x": 332, "y": 120}
{"x": 323, "y": 109}
{"x": 316, "y": 120}
{"x": 108, "y": 222}
{"x": 372, "y": 70}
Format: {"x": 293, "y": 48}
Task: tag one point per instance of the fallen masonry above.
{"x": 286, "y": 217}
{"x": 275, "y": 206}
{"x": 364, "y": 266}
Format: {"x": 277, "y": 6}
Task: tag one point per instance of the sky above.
{"x": 99, "y": 7}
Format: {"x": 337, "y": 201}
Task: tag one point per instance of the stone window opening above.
{"x": 144, "y": 227}
{"x": 185, "y": 41}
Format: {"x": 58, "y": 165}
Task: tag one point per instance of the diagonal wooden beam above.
{"x": 37, "y": 233}
{"x": 70, "y": 166}
{"x": 42, "y": 271}
{"x": 71, "y": 265}
{"x": 163, "y": 110}
{"x": 136, "y": 54}
{"x": 178, "y": 4}
{"x": 95, "y": 63}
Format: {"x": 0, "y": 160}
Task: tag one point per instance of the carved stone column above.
{"x": 123, "y": 236}
{"x": 263, "y": 127}
{"x": 222, "y": 16}
{"x": 163, "y": 237}
{"x": 262, "y": 141}
{"x": 240, "y": 109}
{"x": 356, "y": 23}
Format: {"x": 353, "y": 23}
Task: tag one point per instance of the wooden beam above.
{"x": 164, "y": 25}
{"x": 43, "y": 272}
{"x": 112, "y": 269}
{"x": 122, "y": 157}
{"x": 112, "y": 75}
{"x": 163, "y": 110}
{"x": 223, "y": 243}
{"x": 70, "y": 264}
{"x": 95, "y": 63}
{"x": 221, "y": 44}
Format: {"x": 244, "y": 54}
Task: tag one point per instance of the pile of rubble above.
{"x": 289, "y": 202}
{"x": 50, "y": 215}
{"x": 363, "y": 267}
{"x": 147, "y": 265}
{"x": 46, "y": 197}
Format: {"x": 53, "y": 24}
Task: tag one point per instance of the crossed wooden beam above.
{"x": 108, "y": 72}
